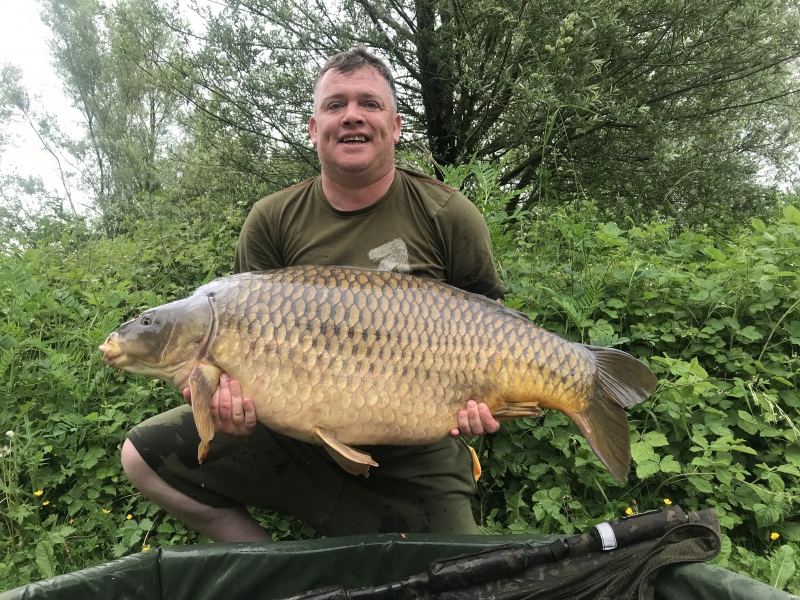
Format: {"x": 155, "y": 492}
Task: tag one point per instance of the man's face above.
{"x": 355, "y": 126}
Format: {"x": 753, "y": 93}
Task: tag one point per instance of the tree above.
{"x": 668, "y": 105}
{"x": 109, "y": 61}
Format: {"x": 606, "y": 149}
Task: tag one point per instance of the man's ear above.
{"x": 396, "y": 126}
{"x": 312, "y": 130}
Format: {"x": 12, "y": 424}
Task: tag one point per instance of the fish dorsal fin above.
{"x": 203, "y": 382}
{"x": 350, "y": 459}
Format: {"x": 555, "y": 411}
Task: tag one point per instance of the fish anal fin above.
{"x": 351, "y": 460}
{"x": 203, "y": 382}
{"x": 517, "y": 410}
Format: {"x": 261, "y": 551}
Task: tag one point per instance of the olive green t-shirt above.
{"x": 420, "y": 226}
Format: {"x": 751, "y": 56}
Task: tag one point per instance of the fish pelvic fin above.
{"x": 203, "y": 382}
{"x": 621, "y": 381}
{"x": 351, "y": 460}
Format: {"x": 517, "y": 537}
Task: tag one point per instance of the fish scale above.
{"x": 347, "y": 357}
{"x": 343, "y": 307}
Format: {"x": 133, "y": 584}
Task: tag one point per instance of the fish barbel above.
{"x": 344, "y": 357}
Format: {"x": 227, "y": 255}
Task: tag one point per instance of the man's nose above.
{"x": 352, "y": 116}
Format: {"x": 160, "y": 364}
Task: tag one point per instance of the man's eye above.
{"x": 334, "y": 106}
{"x": 372, "y": 105}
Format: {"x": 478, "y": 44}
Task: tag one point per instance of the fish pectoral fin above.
{"x": 203, "y": 382}
{"x": 517, "y": 410}
{"x": 351, "y": 460}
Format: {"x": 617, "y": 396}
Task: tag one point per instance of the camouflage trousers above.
{"x": 416, "y": 489}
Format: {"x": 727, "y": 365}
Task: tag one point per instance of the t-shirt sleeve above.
{"x": 468, "y": 248}
{"x": 257, "y": 248}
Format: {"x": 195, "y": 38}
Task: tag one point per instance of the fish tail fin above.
{"x": 621, "y": 377}
{"x": 621, "y": 381}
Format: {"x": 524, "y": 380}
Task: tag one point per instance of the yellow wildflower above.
{"x": 106, "y": 511}
{"x": 629, "y": 511}
{"x": 146, "y": 548}
{"x": 38, "y": 493}
{"x": 667, "y": 501}
{"x": 774, "y": 535}
{"x": 71, "y": 521}
{"x": 46, "y": 502}
{"x": 129, "y": 517}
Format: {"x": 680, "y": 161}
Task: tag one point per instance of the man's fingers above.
{"x": 237, "y": 412}
{"x": 187, "y": 396}
{"x": 461, "y": 419}
{"x": 224, "y": 406}
{"x": 249, "y": 415}
{"x": 474, "y": 418}
{"x": 490, "y": 424}
{"x": 463, "y": 422}
{"x": 477, "y": 419}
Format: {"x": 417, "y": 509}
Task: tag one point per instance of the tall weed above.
{"x": 716, "y": 317}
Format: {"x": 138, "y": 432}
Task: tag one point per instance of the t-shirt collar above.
{"x": 367, "y": 210}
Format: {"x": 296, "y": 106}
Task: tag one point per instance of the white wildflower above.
{"x": 4, "y": 451}
{"x": 9, "y": 434}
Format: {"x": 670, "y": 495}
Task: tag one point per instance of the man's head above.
{"x": 355, "y": 124}
{"x": 353, "y": 60}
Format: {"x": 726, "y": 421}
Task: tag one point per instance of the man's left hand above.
{"x": 477, "y": 419}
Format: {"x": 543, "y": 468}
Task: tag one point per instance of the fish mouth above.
{"x": 111, "y": 350}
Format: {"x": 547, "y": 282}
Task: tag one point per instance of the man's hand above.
{"x": 230, "y": 412}
{"x": 477, "y": 419}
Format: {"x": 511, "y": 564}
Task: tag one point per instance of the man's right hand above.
{"x": 230, "y": 413}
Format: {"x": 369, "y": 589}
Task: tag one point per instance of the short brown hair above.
{"x": 352, "y": 60}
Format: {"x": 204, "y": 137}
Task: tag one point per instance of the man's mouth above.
{"x": 354, "y": 139}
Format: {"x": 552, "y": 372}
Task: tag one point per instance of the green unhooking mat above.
{"x": 383, "y": 567}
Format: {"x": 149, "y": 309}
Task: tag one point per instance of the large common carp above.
{"x": 345, "y": 356}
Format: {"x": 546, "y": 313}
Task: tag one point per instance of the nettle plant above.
{"x": 717, "y": 318}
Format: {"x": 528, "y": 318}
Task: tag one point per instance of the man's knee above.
{"x": 134, "y": 465}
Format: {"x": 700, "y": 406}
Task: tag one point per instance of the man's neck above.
{"x": 344, "y": 196}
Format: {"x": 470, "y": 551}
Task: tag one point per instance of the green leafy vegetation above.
{"x": 626, "y": 156}
{"x": 717, "y": 317}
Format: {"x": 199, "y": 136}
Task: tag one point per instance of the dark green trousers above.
{"x": 416, "y": 489}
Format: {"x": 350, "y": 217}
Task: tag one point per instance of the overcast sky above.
{"x": 23, "y": 43}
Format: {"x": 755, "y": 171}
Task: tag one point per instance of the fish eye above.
{"x": 146, "y": 321}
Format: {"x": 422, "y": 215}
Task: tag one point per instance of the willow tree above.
{"x": 109, "y": 58}
{"x": 662, "y": 104}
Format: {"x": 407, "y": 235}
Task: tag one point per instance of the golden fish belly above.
{"x": 381, "y": 358}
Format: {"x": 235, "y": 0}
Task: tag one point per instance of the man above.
{"x": 361, "y": 211}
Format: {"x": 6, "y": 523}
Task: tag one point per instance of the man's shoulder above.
{"x": 281, "y": 197}
{"x": 425, "y": 181}
{"x": 434, "y": 194}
